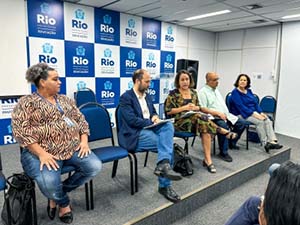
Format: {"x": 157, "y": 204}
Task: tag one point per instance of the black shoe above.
{"x": 51, "y": 211}
{"x": 211, "y": 167}
{"x": 67, "y": 217}
{"x": 169, "y": 193}
{"x": 234, "y": 146}
{"x": 277, "y": 146}
{"x": 270, "y": 146}
{"x": 226, "y": 157}
{"x": 165, "y": 170}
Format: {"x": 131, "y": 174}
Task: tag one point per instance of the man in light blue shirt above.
{"x": 212, "y": 102}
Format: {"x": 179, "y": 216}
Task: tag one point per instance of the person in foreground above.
{"x": 213, "y": 103}
{"x": 281, "y": 203}
{"x": 137, "y": 111}
{"x": 53, "y": 133}
{"x": 185, "y": 99}
{"x": 244, "y": 104}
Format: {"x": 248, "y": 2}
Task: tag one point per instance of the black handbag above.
{"x": 20, "y": 194}
{"x": 182, "y": 161}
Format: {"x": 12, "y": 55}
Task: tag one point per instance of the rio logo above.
{"x": 106, "y": 29}
{"x": 169, "y": 38}
{"x": 47, "y": 59}
{"x": 45, "y": 19}
{"x": 79, "y": 24}
{"x": 130, "y": 32}
{"x": 80, "y": 61}
{"x": 151, "y": 35}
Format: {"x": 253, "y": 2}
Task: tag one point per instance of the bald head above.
{"x": 212, "y": 79}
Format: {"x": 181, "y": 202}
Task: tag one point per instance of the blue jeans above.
{"x": 49, "y": 181}
{"x": 247, "y": 214}
{"x": 160, "y": 138}
{"x": 238, "y": 128}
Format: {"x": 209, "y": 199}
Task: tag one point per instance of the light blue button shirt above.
{"x": 212, "y": 99}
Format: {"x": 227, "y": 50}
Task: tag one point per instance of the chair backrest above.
{"x": 83, "y": 96}
{"x": 268, "y": 104}
{"x": 118, "y": 118}
{"x": 98, "y": 119}
{"x": 227, "y": 100}
{"x": 256, "y": 98}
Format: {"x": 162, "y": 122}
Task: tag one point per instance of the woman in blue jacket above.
{"x": 244, "y": 104}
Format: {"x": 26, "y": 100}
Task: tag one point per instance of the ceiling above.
{"x": 175, "y": 11}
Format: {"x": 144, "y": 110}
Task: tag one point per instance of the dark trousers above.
{"x": 247, "y": 214}
{"x": 238, "y": 128}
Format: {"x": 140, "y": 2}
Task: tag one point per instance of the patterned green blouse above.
{"x": 193, "y": 123}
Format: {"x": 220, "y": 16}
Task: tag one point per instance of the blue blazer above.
{"x": 131, "y": 119}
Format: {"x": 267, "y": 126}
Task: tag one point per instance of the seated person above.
{"x": 212, "y": 102}
{"x": 53, "y": 134}
{"x": 244, "y": 104}
{"x": 279, "y": 205}
{"x": 184, "y": 99}
{"x": 137, "y": 111}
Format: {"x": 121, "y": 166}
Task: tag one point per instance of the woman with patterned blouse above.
{"x": 53, "y": 133}
{"x": 184, "y": 99}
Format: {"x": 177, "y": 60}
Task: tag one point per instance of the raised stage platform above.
{"x": 115, "y": 206}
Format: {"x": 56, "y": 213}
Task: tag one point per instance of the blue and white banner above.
{"x": 107, "y": 30}
{"x": 168, "y": 37}
{"x": 107, "y": 60}
{"x": 151, "y": 34}
{"x": 79, "y": 23}
{"x": 79, "y": 59}
{"x": 151, "y": 62}
{"x": 50, "y": 51}
{"x": 130, "y": 60}
{"x": 167, "y": 64}
{"x": 45, "y": 18}
{"x": 98, "y": 49}
{"x": 130, "y": 31}
{"x": 153, "y": 90}
{"x": 108, "y": 91}
{"x": 6, "y": 136}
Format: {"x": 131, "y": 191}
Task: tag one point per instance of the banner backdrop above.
{"x": 98, "y": 49}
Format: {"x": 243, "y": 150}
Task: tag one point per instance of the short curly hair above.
{"x": 37, "y": 72}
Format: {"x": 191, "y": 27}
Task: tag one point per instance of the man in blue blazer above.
{"x": 137, "y": 112}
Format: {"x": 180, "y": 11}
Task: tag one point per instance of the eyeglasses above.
{"x": 216, "y": 79}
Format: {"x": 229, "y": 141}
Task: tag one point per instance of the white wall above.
{"x": 198, "y": 45}
{"x": 288, "y": 107}
{"x": 251, "y": 51}
{"x": 13, "y": 60}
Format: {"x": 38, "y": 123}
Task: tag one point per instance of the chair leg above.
{"x": 87, "y": 202}
{"x": 136, "y": 173}
{"x": 193, "y": 141}
{"x": 247, "y": 137}
{"x": 214, "y": 145}
{"x": 115, "y": 167}
{"x": 146, "y": 159}
{"x": 92, "y": 194}
{"x": 186, "y": 145}
{"x": 131, "y": 174}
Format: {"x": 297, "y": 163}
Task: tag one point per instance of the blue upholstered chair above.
{"x": 268, "y": 105}
{"x": 99, "y": 122}
{"x": 83, "y": 96}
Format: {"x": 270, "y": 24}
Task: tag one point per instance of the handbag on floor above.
{"x": 182, "y": 161}
{"x": 19, "y": 194}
